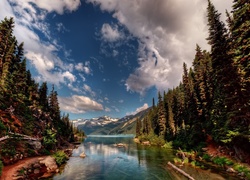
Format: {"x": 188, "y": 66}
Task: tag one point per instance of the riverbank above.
{"x": 34, "y": 167}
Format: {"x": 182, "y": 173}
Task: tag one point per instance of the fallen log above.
{"x": 180, "y": 171}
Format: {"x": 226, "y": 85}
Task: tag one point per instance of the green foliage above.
{"x": 206, "y": 157}
{"x": 154, "y": 139}
{"x": 177, "y": 160}
{"x": 229, "y": 136}
{"x": 45, "y": 152}
{"x": 242, "y": 169}
{"x": 222, "y": 161}
{"x": 9, "y": 148}
{"x": 49, "y": 139}
{"x": 2, "y": 128}
{"x": 168, "y": 145}
{"x": 60, "y": 157}
{"x": 1, "y": 167}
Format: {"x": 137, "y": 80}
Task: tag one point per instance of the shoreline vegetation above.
{"x": 209, "y": 157}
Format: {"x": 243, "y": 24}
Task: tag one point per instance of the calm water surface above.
{"x": 105, "y": 161}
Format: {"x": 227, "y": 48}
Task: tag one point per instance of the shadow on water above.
{"x": 105, "y": 161}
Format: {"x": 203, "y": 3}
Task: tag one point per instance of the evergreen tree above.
{"x": 240, "y": 33}
{"x": 220, "y": 65}
{"x": 161, "y": 116}
{"x": 138, "y": 127}
{"x": 54, "y": 106}
{"x": 43, "y": 96}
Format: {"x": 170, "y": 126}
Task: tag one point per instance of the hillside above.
{"x": 30, "y": 120}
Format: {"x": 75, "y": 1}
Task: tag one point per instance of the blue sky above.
{"x": 109, "y": 57}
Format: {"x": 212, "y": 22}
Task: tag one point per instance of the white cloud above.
{"x": 107, "y": 109}
{"x": 89, "y": 90}
{"x": 110, "y": 33}
{"x": 78, "y": 104}
{"x": 83, "y": 68}
{"x": 139, "y": 109}
{"x": 59, "y": 6}
{"x": 29, "y": 16}
{"x": 168, "y": 32}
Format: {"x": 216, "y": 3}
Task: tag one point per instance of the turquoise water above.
{"x": 105, "y": 161}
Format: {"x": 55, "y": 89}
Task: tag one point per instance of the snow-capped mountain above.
{"x": 107, "y": 125}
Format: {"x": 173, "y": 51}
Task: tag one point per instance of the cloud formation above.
{"x": 168, "y": 32}
{"x": 139, "y": 109}
{"x": 110, "y": 33}
{"x": 30, "y": 17}
{"x": 79, "y": 104}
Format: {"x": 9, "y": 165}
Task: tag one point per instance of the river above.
{"x": 105, "y": 161}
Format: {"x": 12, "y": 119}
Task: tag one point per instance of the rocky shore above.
{"x": 40, "y": 167}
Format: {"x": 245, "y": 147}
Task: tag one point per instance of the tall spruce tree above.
{"x": 240, "y": 34}
{"x": 220, "y": 62}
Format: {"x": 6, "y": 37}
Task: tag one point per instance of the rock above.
{"x": 120, "y": 145}
{"x": 36, "y": 165}
{"x": 241, "y": 174}
{"x": 50, "y": 163}
{"x": 83, "y": 155}
{"x": 146, "y": 143}
{"x": 35, "y": 144}
{"x": 231, "y": 170}
{"x": 36, "y": 171}
{"x": 136, "y": 140}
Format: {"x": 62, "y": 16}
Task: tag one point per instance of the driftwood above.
{"x": 180, "y": 171}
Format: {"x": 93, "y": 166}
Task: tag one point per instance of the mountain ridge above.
{"x": 106, "y": 125}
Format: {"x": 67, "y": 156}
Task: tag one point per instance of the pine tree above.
{"x": 240, "y": 34}
{"x": 161, "y": 116}
{"x": 43, "y": 96}
{"x": 6, "y": 41}
{"x": 54, "y": 106}
{"x": 221, "y": 65}
{"x": 138, "y": 127}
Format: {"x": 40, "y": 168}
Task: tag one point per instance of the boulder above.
{"x": 35, "y": 144}
{"x": 83, "y": 155}
{"x": 146, "y": 143}
{"x": 50, "y": 163}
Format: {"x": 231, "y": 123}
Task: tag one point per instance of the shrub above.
{"x": 168, "y": 145}
{"x": 222, "y": 161}
{"x": 60, "y": 157}
{"x": 206, "y": 157}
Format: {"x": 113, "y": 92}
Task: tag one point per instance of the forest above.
{"x": 26, "y": 107}
{"x": 212, "y": 101}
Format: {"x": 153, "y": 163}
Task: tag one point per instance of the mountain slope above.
{"x": 105, "y": 125}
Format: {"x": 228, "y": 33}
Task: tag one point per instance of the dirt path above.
{"x": 9, "y": 171}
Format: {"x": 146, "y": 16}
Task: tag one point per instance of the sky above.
{"x": 109, "y": 57}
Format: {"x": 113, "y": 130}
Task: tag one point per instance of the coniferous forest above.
{"x": 26, "y": 108}
{"x": 212, "y": 102}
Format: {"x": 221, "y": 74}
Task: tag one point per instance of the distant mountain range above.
{"x": 106, "y": 125}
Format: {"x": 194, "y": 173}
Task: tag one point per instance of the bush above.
{"x": 1, "y": 167}
{"x": 206, "y": 157}
{"x": 60, "y": 157}
{"x": 222, "y": 161}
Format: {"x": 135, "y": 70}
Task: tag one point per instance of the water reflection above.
{"x": 105, "y": 161}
